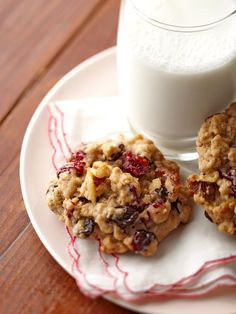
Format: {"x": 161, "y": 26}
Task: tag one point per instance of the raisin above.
{"x": 208, "y": 216}
{"x": 174, "y": 205}
{"x": 133, "y": 190}
{"x": 208, "y": 190}
{"x": 134, "y": 164}
{"x": 230, "y": 175}
{"x": 142, "y": 239}
{"x": 162, "y": 192}
{"x": 51, "y": 188}
{"x": 127, "y": 218}
{"x": 233, "y": 189}
{"x": 83, "y": 200}
{"x": 194, "y": 186}
{"x": 88, "y": 227}
{"x": 121, "y": 146}
{"x": 163, "y": 173}
{"x": 115, "y": 156}
{"x": 64, "y": 169}
{"x": 118, "y": 154}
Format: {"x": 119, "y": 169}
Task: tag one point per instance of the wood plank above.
{"x": 32, "y": 282}
{"x": 13, "y": 215}
{"x": 30, "y": 44}
{"x": 103, "y": 28}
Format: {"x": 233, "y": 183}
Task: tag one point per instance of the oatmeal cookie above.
{"x": 121, "y": 192}
{"x": 215, "y": 187}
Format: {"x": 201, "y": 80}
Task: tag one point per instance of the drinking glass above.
{"x": 174, "y": 70}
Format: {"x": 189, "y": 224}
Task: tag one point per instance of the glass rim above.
{"x": 179, "y": 28}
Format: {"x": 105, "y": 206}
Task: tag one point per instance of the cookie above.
{"x": 215, "y": 187}
{"x": 121, "y": 192}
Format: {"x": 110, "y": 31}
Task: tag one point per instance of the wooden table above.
{"x": 40, "y": 41}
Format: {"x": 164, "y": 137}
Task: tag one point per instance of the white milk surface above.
{"x": 170, "y": 81}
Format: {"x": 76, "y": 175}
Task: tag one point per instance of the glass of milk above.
{"x": 176, "y": 66}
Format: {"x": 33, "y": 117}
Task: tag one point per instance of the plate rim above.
{"x": 88, "y": 62}
{"x": 65, "y": 78}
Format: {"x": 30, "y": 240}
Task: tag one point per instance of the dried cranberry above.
{"x": 77, "y": 159}
{"x": 88, "y": 226}
{"x": 158, "y": 204}
{"x": 76, "y": 163}
{"x": 79, "y": 167}
{"x": 134, "y": 164}
{"x": 77, "y": 156}
{"x": 127, "y": 218}
{"x": 97, "y": 181}
{"x": 162, "y": 192}
{"x": 159, "y": 172}
{"x": 69, "y": 213}
{"x": 142, "y": 239}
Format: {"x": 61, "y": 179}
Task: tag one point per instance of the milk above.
{"x": 171, "y": 80}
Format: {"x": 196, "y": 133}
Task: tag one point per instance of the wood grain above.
{"x": 103, "y": 28}
{"x": 31, "y": 281}
{"x": 13, "y": 215}
{"x": 33, "y": 33}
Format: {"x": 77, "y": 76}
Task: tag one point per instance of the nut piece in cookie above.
{"x": 122, "y": 192}
{"x": 215, "y": 187}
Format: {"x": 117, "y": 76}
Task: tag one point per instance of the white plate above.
{"x": 93, "y": 78}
